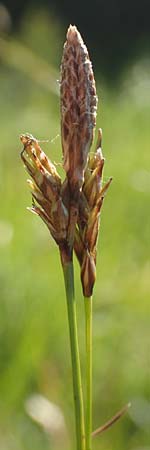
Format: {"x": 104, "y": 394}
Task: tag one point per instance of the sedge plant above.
{"x": 71, "y": 208}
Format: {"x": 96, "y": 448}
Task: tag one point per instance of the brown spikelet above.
{"x": 90, "y": 204}
{"x": 78, "y": 108}
{"x": 45, "y": 189}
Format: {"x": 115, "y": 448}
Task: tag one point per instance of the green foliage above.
{"x": 34, "y": 348}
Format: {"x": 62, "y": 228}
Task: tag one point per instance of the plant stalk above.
{"x": 88, "y": 334}
{"x": 76, "y": 371}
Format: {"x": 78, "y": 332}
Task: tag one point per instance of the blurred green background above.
{"x": 35, "y": 370}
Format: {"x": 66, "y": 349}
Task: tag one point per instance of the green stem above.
{"x": 76, "y": 372}
{"x": 88, "y": 333}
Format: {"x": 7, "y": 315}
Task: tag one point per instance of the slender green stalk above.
{"x": 77, "y": 387}
{"x": 88, "y": 333}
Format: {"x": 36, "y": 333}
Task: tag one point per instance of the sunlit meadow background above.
{"x": 35, "y": 370}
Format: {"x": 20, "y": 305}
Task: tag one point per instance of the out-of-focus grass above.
{"x": 34, "y": 348}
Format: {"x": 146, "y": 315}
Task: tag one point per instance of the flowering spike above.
{"x": 90, "y": 203}
{"x": 45, "y": 189}
{"x": 72, "y": 209}
{"x": 78, "y": 108}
